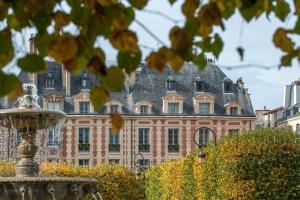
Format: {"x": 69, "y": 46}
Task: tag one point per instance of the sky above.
{"x": 265, "y": 86}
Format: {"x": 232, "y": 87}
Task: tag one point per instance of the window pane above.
{"x": 144, "y": 109}
{"x": 170, "y": 85}
{"x": 114, "y": 108}
{"x": 204, "y": 108}
{"x": 173, "y": 108}
{"x": 233, "y": 110}
{"x": 84, "y": 107}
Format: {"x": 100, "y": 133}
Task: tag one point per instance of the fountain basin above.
{"x": 33, "y": 119}
{"x": 46, "y": 188}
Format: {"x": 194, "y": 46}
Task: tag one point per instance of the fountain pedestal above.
{"x": 27, "y": 149}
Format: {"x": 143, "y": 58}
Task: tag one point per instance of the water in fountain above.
{"x": 27, "y": 118}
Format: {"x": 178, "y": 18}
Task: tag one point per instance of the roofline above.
{"x": 274, "y": 110}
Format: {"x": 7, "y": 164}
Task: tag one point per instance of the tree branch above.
{"x": 162, "y": 15}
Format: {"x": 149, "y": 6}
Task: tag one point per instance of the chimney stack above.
{"x": 32, "y": 49}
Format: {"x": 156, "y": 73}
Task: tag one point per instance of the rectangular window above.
{"x": 232, "y": 132}
{"x": 227, "y": 87}
{"x": 114, "y": 108}
{"x": 53, "y": 137}
{"x": 173, "y": 108}
{"x": 199, "y": 86}
{"x": 53, "y": 106}
{"x": 204, "y": 108}
{"x": 84, "y": 83}
{"x": 144, "y": 145}
{"x": 49, "y": 83}
{"x": 233, "y": 110}
{"x": 144, "y": 109}
{"x": 84, "y": 139}
{"x": 114, "y": 142}
{"x": 114, "y": 161}
{"x": 173, "y": 142}
{"x": 144, "y": 164}
{"x": 84, "y": 107}
{"x": 171, "y": 85}
{"x": 84, "y": 162}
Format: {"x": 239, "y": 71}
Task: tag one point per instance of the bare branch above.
{"x": 162, "y": 15}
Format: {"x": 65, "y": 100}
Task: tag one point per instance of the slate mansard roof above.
{"x": 151, "y": 86}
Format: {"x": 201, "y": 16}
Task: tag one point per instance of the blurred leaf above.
{"x": 8, "y": 83}
{"x": 241, "y": 52}
{"x": 208, "y": 16}
{"x": 175, "y": 61}
{"x": 125, "y": 41}
{"x": 17, "y": 92}
{"x": 158, "y": 60}
{"x": 189, "y": 7}
{"x": 32, "y": 63}
{"x": 140, "y": 4}
{"x": 63, "y": 48}
{"x": 297, "y": 26}
{"x": 6, "y": 48}
{"x": 282, "y": 9}
{"x": 297, "y": 7}
{"x": 114, "y": 79}
{"x": 107, "y": 2}
{"x": 3, "y": 10}
{"x": 97, "y": 65}
{"x": 61, "y": 19}
{"x": 217, "y": 45}
{"x": 172, "y": 1}
{"x": 227, "y": 8}
{"x": 282, "y": 41}
{"x": 99, "y": 96}
{"x": 129, "y": 61}
{"x": 200, "y": 61}
{"x": 181, "y": 42}
{"x": 116, "y": 122}
{"x": 286, "y": 60}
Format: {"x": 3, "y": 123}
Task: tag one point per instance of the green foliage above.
{"x": 111, "y": 20}
{"x": 258, "y": 164}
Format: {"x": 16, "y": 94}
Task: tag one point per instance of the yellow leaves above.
{"x": 125, "y": 41}
{"x": 3, "y": 10}
{"x": 297, "y": 7}
{"x": 6, "y": 48}
{"x": 158, "y": 60}
{"x": 17, "y": 92}
{"x": 116, "y": 122}
{"x": 189, "y": 7}
{"x": 114, "y": 79}
{"x": 208, "y": 16}
{"x": 99, "y": 96}
{"x": 282, "y": 41}
{"x": 63, "y": 48}
{"x": 61, "y": 19}
{"x": 181, "y": 41}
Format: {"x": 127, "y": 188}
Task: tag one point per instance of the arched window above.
{"x": 171, "y": 83}
{"x": 199, "y": 84}
{"x": 49, "y": 81}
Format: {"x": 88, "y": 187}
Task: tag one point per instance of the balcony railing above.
{"x": 144, "y": 147}
{"x": 173, "y": 148}
{"x": 84, "y": 147}
{"x": 114, "y": 147}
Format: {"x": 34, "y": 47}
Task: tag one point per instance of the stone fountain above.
{"x": 27, "y": 119}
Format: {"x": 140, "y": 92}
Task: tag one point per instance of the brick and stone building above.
{"x": 161, "y": 113}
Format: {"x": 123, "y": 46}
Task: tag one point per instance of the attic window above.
{"x": 49, "y": 81}
{"x": 227, "y": 85}
{"x": 84, "y": 81}
{"x": 171, "y": 84}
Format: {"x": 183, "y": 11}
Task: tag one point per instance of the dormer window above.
{"x": 113, "y": 108}
{"x": 227, "y": 84}
{"x": 173, "y": 108}
{"x": 171, "y": 83}
{"x": 84, "y": 81}
{"x": 84, "y": 107}
{"x": 49, "y": 81}
{"x": 144, "y": 109}
{"x": 234, "y": 110}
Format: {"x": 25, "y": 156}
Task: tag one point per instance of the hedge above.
{"x": 115, "y": 182}
{"x": 258, "y": 164}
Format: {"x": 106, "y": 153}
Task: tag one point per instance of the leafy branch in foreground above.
{"x": 110, "y": 20}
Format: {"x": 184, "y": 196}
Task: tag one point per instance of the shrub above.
{"x": 259, "y": 164}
